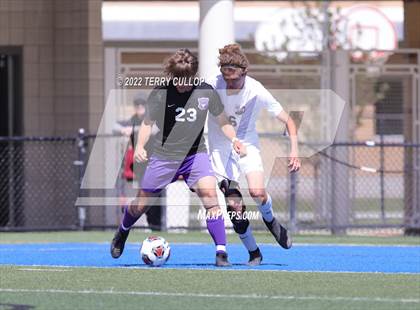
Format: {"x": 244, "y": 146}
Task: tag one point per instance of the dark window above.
{"x": 389, "y": 109}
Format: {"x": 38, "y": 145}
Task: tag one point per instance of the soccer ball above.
{"x": 155, "y": 251}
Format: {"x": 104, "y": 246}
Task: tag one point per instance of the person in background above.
{"x": 134, "y": 173}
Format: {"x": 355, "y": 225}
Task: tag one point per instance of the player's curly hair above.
{"x": 232, "y": 54}
{"x": 183, "y": 63}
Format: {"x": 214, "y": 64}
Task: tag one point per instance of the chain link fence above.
{"x": 358, "y": 185}
{"x": 38, "y": 183}
{"x": 348, "y": 185}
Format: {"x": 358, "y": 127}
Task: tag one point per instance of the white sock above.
{"x": 267, "y": 209}
{"x": 248, "y": 240}
{"x": 220, "y": 248}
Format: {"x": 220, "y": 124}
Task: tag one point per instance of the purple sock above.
{"x": 216, "y": 228}
{"x": 128, "y": 220}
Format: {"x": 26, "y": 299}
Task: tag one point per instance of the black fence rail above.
{"x": 346, "y": 186}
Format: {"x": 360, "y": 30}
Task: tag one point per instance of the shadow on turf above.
{"x": 15, "y": 307}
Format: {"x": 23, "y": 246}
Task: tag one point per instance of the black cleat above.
{"x": 222, "y": 260}
{"x": 280, "y": 233}
{"x": 118, "y": 242}
{"x": 255, "y": 258}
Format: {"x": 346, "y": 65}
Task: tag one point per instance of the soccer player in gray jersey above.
{"x": 180, "y": 112}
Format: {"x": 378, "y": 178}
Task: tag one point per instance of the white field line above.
{"x": 351, "y": 245}
{"x": 43, "y": 269}
{"x": 89, "y": 249}
{"x": 141, "y": 266}
{"x": 222, "y": 296}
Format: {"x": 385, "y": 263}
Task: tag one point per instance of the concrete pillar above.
{"x": 216, "y": 30}
{"x": 340, "y": 174}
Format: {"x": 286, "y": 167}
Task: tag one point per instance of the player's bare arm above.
{"x": 294, "y": 162}
{"x": 230, "y": 133}
{"x": 144, "y": 134}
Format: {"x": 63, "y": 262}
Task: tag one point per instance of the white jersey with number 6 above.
{"x": 242, "y": 110}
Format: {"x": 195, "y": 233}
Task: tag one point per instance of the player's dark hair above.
{"x": 232, "y": 54}
{"x": 181, "y": 64}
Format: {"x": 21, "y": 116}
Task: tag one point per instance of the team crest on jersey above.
{"x": 203, "y": 103}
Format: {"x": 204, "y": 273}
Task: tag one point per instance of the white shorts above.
{"x": 227, "y": 164}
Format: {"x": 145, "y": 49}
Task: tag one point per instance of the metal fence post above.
{"x": 382, "y": 177}
{"x": 292, "y": 201}
{"x": 11, "y": 185}
{"x": 334, "y": 211}
{"x": 81, "y": 163}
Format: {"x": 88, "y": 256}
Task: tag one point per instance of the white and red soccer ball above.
{"x": 155, "y": 251}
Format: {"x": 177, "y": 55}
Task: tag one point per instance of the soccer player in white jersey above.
{"x": 243, "y": 97}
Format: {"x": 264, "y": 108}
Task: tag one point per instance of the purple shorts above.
{"x": 160, "y": 171}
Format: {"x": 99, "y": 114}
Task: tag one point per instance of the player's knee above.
{"x": 208, "y": 198}
{"x": 207, "y": 193}
{"x": 257, "y": 194}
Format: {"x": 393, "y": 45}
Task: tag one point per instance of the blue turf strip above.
{"x": 334, "y": 258}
